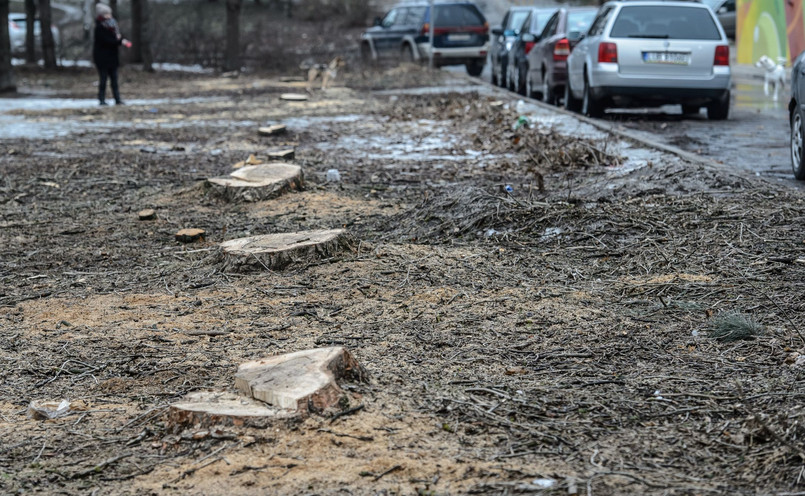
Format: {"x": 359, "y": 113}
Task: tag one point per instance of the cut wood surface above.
{"x": 281, "y": 154}
{"x": 189, "y": 235}
{"x": 257, "y": 182}
{"x": 305, "y": 381}
{"x": 271, "y": 130}
{"x": 276, "y": 251}
{"x": 147, "y": 214}
{"x": 222, "y": 408}
{"x": 294, "y": 97}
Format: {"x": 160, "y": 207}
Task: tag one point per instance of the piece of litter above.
{"x": 543, "y": 483}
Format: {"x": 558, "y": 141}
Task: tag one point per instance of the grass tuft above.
{"x": 733, "y": 326}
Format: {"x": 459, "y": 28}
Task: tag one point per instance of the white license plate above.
{"x": 458, "y": 37}
{"x": 676, "y": 58}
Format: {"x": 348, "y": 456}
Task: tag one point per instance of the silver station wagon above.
{"x": 651, "y": 53}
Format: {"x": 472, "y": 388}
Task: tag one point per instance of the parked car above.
{"x": 725, "y": 12}
{"x": 547, "y": 61}
{"x": 502, "y": 39}
{"x": 651, "y": 53}
{"x": 517, "y": 63}
{"x": 797, "y": 116}
{"x": 460, "y": 35}
{"x": 17, "y": 29}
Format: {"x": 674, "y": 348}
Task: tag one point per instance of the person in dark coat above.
{"x": 104, "y": 51}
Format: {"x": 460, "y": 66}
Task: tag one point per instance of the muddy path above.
{"x": 538, "y": 312}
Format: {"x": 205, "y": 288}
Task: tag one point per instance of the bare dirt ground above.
{"x": 566, "y": 337}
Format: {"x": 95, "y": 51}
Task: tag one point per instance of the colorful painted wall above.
{"x": 769, "y": 27}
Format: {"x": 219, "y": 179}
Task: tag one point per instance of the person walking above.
{"x": 105, "y": 52}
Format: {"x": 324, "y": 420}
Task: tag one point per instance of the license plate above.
{"x": 458, "y": 37}
{"x": 676, "y": 58}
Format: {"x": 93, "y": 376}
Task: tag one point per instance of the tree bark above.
{"x": 48, "y": 44}
{"x": 113, "y": 6}
{"x": 30, "y": 39}
{"x": 145, "y": 36}
{"x": 136, "y": 50}
{"x": 7, "y": 80}
{"x": 232, "y": 51}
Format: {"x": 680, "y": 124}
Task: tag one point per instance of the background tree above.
{"x": 232, "y": 51}
{"x": 7, "y": 82}
{"x": 48, "y": 44}
{"x": 141, "y": 34}
{"x": 30, "y": 40}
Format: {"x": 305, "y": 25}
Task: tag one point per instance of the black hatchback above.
{"x": 460, "y": 35}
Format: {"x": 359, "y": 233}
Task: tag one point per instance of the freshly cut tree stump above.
{"x": 305, "y": 382}
{"x": 271, "y": 130}
{"x": 293, "y": 97}
{"x": 147, "y": 214}
{"x": 189, "y": 235}
{"x": 257, "y": 182}
{"x": 204, "y": 409}
{"x": 276, "y": 251}
{"x": 283, "y": 154}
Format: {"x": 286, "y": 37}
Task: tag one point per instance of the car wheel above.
{"x": 719, "y": 110}
{"x": 494, "y": 79}
{"x": 502, "y": 75}
{"x": 529, "y": 87}
{"x": 475, "y": 68}
{"x": 548, "y": 94}
{"x": 366, "y": 54}
{"x": 571, "y": 103}
{"x": 590, "y": 105}
{"x": 690, "y": 109}
{"x": 407, "y": 53}
{"x": 519, "y": 85}
{"x": 797, "y": 164}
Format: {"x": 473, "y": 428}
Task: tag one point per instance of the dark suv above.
{"x": 460, "y": 35}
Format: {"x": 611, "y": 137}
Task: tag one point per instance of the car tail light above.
{"x": 529, "y": 45}
{"x": 486, "y": 28}
{"x": 14, "y": 25}
{"x": 561, "y": 50}
{"x": 608, "y": 52}
{"x": 722, "y": 55}
{"x": 425, "y": 30}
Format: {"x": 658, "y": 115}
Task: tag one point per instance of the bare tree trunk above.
{"x": 7, "y": 80}
{"x": 30, "y": 39}
{"x": 48, "y": 44}
{"x": 232, "y": 51}
{"x": 145, "y": 36}
{"x": 113, "y": 6}
{"x": 136, "y": 51}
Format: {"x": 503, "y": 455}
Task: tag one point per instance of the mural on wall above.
{"x": 769, "y": 27}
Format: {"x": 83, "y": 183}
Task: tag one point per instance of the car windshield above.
{"x": 516, "y": 20}
{"x": 579, "y": 21}
{"x": 665, "y": 21}
{"x": 713, "y": 4}
{"x": 458, "y": 15}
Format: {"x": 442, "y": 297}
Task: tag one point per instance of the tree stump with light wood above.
{"x": 277, "y": 251}
{"x": 294, "y": 97}
{"x": 205, "y": 409}
{"x": 305, "y": 382}
{"x": 257, "y": 182}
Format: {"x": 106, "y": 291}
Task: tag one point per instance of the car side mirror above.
{"x": 722, "y": 10}
{"x": 378, "y": 21}
{"x": 529, "y": 38}
{"x": 497, "y": 31}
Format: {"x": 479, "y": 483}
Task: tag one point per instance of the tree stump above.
{"x": 147, "y": 214}
{"x": 277, "y": 251}
{"x": 205, "y": 409}
{"x": 294, "y": 97}
{"x": 305, "y": 382}
{"x": 257, "y": 182}
{"x": 271, "y": 130}
{"x": 281, "y": 154}
{"x": 189, "y": 235}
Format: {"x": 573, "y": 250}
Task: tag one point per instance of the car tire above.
{"x": 571, "y": 103}
{"x": 503, "y": 76}
{"x": 519, "y": 84}
{"x": 407, "y": 54}
{"x": 548, "y": 92}
{"x": 690, "y": 109}
{"x": 719, "y": 110}
{"x": 494, "y": 78}
{"x": 529, "y": 88}
{"x": 797, "y": 138}
{"x": 590, "y": 105}
{"x": 366, "y": 54}
{"x": 475, "y": 68}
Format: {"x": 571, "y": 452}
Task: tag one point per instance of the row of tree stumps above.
{"x": 283, "y": 386}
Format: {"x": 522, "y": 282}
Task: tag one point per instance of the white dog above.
{"x": 774, "y": 76}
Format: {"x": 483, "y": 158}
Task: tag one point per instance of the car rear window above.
{"x": 458, "y": 15}
{"x": 579, "y": 21}
{"x": 517, "y": 19}
{"x": 672, "y": 22}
